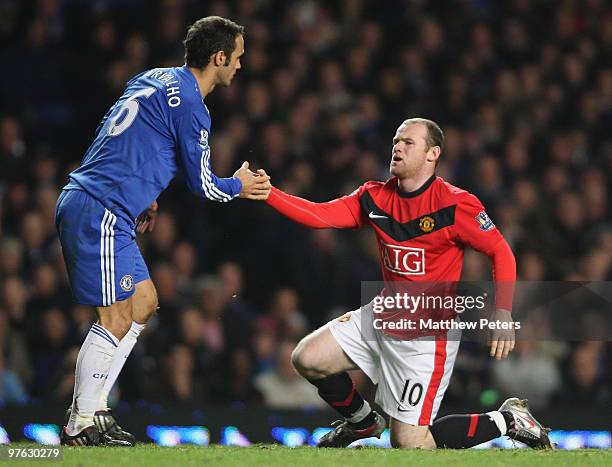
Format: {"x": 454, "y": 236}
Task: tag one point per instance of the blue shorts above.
{"x": 103, "y": 260}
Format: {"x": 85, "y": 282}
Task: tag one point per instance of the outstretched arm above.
{"x": 194, "y": 158}
{"x": 340, "y": 213}
{"x": 194, "y": 155}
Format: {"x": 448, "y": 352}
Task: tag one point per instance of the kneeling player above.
{"x": 419, "y": 215}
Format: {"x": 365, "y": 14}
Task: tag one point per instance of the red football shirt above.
{"x": 421, "y": 235}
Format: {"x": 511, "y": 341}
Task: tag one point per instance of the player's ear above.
{"x": 434, "y": 154}
{"x": 219, "y": 58}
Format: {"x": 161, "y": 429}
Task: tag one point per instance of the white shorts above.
{"x": 412, "y": 375}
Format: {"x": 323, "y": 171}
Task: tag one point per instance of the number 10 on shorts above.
{"x": 411, "y": 395}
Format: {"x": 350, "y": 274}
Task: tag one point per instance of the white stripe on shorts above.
{"x": 112, "y": 258}
{"x": 102, "y": 257}
{"x": 107, "y": 257}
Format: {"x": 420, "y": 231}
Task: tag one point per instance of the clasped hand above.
{"x": 255, "y": 185}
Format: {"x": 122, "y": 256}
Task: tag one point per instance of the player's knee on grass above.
{"x": 404, "y": 436}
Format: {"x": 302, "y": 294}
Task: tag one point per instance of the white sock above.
{"x": 121, "y": 354}
{"x": 362, "y": 413}
{"x": 499, "y": 420}
{"x": 92, "y": 367}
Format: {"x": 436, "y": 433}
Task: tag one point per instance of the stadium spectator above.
{"x": 529, "y": 370}
{"x": 212, "y": 306}
{"x": 235, "y": 385}
{"x": 185, "y": 265}
{"x": 11, "y": 257}
{"x": 284, "y": 317}
{"x": 239, "y": 313}
{"x": 585, "y": 375}
{"x": 282, "y": 388}
{"x": 11, "y": 387}
{"x": 14, "y": 350}
{"x": 15, "y": 296}
{"x": 184, "y": 384}
{"x": 49, "y": 347}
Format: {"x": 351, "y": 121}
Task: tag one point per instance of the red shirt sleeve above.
{"x": 340, "y": 213}
{"x": 473, "y": 227}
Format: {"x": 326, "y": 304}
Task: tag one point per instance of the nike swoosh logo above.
{"x": 376, "y": 216}
{"x": 399, "y": 409}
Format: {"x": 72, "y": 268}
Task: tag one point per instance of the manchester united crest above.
{"x": 427, "y": 224}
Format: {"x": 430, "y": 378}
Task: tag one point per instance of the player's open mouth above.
{"x": 396, "y": 159}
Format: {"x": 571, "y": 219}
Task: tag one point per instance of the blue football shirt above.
{"x": 159, "y": 126}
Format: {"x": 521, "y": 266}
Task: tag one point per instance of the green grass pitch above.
{"x": 148, "y": 455}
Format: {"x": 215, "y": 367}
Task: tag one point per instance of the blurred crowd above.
{"x": 522, "y": 89}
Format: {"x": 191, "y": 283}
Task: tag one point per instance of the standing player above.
{"x": 422, "y": 224}
{"x": 158, "y": 127}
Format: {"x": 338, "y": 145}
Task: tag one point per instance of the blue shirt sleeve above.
{"x": 194, "y": 159}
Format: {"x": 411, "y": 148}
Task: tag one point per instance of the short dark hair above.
{"x": 435, "y": 135}
{"x": 207, "y": 36}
